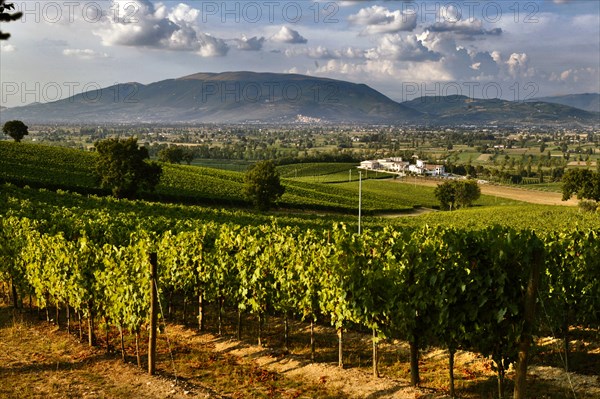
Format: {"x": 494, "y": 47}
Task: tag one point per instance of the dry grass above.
{"x": 514, "y": 193}
{"x": 39, "y": 361}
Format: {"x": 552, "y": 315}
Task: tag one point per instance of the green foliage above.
{"x": 262, "y": 185}
{"x": 5, "y": 16}
{"x": 171, "y": 154}
{"x": 45, "y": 166}
{"x": 588, "y": 206}
{"x": 54, "y": 168}
{"x": 457, "y": 194}
{"x": 121, "y": 167}
{"x": 15, "y": 129}
{"x": 582, "y": 182}
{"x": 325, "y": 172}
{"x": 461, "y": 286}
{"x": 176, "y": 154}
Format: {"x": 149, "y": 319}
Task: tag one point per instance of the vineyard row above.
{"x": 457, "y": 288}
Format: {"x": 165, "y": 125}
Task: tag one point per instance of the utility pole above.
{"x": 153, "y": 315}
{"x": 359, "y": 199}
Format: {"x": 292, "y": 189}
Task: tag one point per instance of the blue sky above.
{"x": 483, "y": 48}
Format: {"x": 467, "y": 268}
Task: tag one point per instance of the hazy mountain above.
{"x": 587, "y": 101}
{"x": 234, "y": 97}
{"x": 465, "y": 110}
{"x": 221, "y": 98}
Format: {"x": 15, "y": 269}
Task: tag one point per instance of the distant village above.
{"x": 401, "y": 167}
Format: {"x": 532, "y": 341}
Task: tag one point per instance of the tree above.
{"x": 15, "y": 129}
{"x": 262, "y": 185}
{"x": 121, "y": 167}
{"x": 171, "y": 154}
{"x": 467, "y": 192}
{"x": 5, "y": 16}
{"x": 446, "y": 194}
{"x": 457, "y": 194}
{"x": 188, "y": 155}
{"x": 585, "y": 183}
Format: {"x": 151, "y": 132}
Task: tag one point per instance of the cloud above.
{"x": 484, "y": 64}
{"x": 394, "y": 47}
{"x": 142, "y": 24}
{"x": 469, "y": 28}
{"x": 86, "y": 54}
{"x": 7, "y": 48}
{"x": 323, "y": 53}
{"x": 320, "y": 53}
{"x": 211, "y": 46}
{"x": 250, "y": 44}
{"x": 379, "y": 20}
{"x": 287, "y": 35}
{"x": 518, "y": 66}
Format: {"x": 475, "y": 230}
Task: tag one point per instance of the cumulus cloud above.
{"x": 288, "y": 35}
{"x": 469, "y": 28}
{"x": 518, "y": 65}
{"x": 319, "y": 52}
{"x": 250, "y": 43}
{"x": 140, "y": 23}
{"x": 324, "y": 53}
{"x": 86, "y": 54}
{"x": 484, "y": 63}
{"x": 211, "y": 46}
{"x": 395, "y": 47}
{"x": 377, "y": 20}
{"x": 590, "y": 76}
{"x": 442, "y": 55}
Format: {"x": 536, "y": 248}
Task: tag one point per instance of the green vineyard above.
{"x": 457, "y": 280}
{"x": 449, "y": 286}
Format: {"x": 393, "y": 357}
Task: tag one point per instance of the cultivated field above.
{"x": 517, "y": 194}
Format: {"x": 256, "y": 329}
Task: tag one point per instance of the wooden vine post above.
{"x": 520, "y": 391}
{"x": 153, "y": 315}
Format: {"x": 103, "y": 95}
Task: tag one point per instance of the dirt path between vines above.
{"x": 519, "y": 194}
{"x": 37, "y": 360}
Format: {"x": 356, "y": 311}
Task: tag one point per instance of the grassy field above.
{"x": 310, "y": 189}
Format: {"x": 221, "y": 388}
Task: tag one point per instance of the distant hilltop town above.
{"x": 399, "y": 166}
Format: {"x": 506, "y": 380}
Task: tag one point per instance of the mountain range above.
{"x": 250, "y": 97}
{"x": 451, "y": 110}
{"x": 586, "y": 101}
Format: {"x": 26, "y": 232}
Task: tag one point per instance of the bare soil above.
{"x": 38, "y": 360}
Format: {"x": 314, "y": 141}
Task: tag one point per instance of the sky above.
{"x": 511, "y": 49}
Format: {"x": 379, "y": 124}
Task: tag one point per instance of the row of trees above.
{"x": 442, "y": 286}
